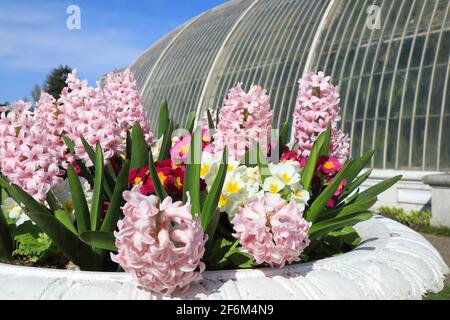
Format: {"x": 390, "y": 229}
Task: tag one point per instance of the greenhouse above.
{"x": 393, "y": 76}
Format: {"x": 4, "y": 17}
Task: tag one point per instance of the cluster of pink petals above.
{"x": 27, "y": 154}
{"x": 87, "y": 115}
{"x": 318, "y": 105}
{"x": 124, "y": 103}
{"x": 160, "y": 244}
{"x": 246, "y": 117}
{"x": 51, "y": 119}
{"x": 272, "y": 230}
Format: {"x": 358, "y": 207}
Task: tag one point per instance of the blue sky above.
{"x": 34, "y": 37}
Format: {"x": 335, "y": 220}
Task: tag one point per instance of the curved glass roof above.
{"x": 393, "y": 80}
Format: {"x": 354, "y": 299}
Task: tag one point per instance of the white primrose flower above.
{"x": 273, "y": 185}
{"x": 300, "y": 196}
{"x": 285, "y": 172}
{"x": 14, "y": 211}
{"x": 64, "y": 196}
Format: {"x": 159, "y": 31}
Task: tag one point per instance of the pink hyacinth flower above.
{"x": 317, "y": 106}
{"x": 272, "y": 230}
{"x": 160, "y": 244}
{"x": 246, "y": 117}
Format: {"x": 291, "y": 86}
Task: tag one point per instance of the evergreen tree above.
{"x": 56, "y": 80}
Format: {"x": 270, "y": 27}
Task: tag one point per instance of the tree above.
{"x": 36, "y": 93}
{"x": 56, "y": 80}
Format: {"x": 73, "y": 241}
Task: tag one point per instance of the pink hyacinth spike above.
{"x": 318, "y": 105}
{"x": 160, "y": 244}
{"x": 272, "y": 230}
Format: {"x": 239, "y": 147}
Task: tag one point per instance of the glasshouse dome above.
{"x": 390, "y": 60}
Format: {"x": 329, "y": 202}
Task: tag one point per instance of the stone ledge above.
{"x": 437, "y": 180}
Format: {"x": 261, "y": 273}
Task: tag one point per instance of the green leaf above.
{"x": 190, "y": 122}
{"x": 318, "y": 205}
{"x": 139, "y": 154}
{"x": 69, "y": 143}
{"x": 355, "y": 184}
{"x": 52, "y": 201}
{"x": 74, "y": 249}
{"x": 6, "y": 245}
{"x": 320, "y": 229}
{"x": 114, "y": 211}
{"x": 88, "y": 148}
{"x": 192, "y": 174}
{"x": 210, "y": 119}
{"x": 282, "y": 140}
{"x": 212, "y": 200}
{"x": 64, "y": 217}
{"x": 311, "y": 163}
{"x": 163, "y": 122}
{"x": 100, "y": 240}
{"x": 358, "y": 165}
{"x": 325, "y": 149}
{"x": 97, "y": 203}
{"x": 166, "y": 143}
{"x": 346, "y": 210}
{"x": 79, "y": 201}
{"x": 129, "y": 146}
{"x": 159, "y": 189}
{"x": 375, "y": 190}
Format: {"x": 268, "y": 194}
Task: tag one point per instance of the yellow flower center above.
{"x": 137, "y": 180}
{"x": 273, "y": 187}
{"x": 328, "y": 165}
{"x": 184, "y": 149}
{"x": 68, "y": 206}
{"x": 232, "y": 187}
{"x": 162, "y": 177}
{"x": 222, "y": 201}
{"x": 204, "y": 170}
{"x": 298, "y": 194}
{"x": 285, "y": 177}
{"x": 178, "y": 183}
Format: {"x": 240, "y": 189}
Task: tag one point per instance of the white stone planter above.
{"x": 393, "y": 262}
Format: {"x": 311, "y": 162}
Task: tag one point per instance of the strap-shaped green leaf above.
{"x": 262, "y": 163}
{"x": 345, "y": 210}
{"x": 311, "y": 163}
{"x": 88, "y": 148}
{"x": 114, "y": 211}
{"x": 6, "y": 244}
{"x": 166, "y": 142}
{"x": 282, "y": 139}
{"x": 52, "y": 201}
{"x": 100, "y": 240}
{"x": 355, "y": 184}
{"x": 157, "y": 185}
{"x": 210, "y": 120}
{"x": 163, "y": 121}
{"x": 139, "y": 154}
{"x": 318, "y": 230}
{"x": 64, "y": 217}
{"x": 129, "y": 146}
{"x": 212, "y": 199}
{"x": 325, "y": 149}
{"x": 72, "y": 247}
{"x": 358, "y": 165}
{"x": 79, "y": 201}
{"x": 192, "y": 174}
{"x": 375, "y": 190}
{"x": 318, "y": 205}
{"x": 97, "y": 201}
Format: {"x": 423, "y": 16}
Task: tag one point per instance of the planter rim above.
{"x": 392, "y": 262}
